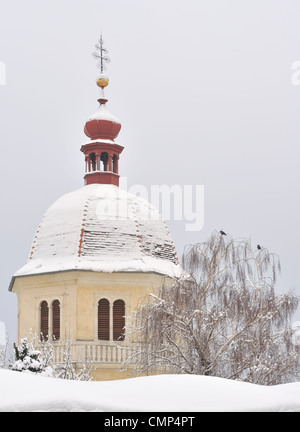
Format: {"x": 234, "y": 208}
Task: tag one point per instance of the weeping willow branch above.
{"x": 224, "y": 319}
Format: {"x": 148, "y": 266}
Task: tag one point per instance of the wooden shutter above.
{"x": 103, "y": 319}
{"x": 44, "y": 323}
{"x": 56, "y": 320}
{"x": 119, "y": 320}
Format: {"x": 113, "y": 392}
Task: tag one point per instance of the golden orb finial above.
{"x": 102, "y": 81}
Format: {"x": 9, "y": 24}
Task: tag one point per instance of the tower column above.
{"x": 116, "y": 164}
{"x": 110, "y": 162}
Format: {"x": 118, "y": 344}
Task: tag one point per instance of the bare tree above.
{"x": 70, "y": 370}
{"x": 6, "y": 352}
{"x": 222, "y": 318}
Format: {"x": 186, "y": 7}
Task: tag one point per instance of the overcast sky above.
{"x": 204, "y": 93}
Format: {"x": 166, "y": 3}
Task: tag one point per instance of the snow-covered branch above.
{"x": 224, "y": 320}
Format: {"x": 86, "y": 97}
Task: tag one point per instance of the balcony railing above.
{"x": 93, "y": 352}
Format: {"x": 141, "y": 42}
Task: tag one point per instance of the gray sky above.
{"x": 203, "y": 90}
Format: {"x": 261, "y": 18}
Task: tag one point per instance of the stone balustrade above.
{"x": 92, "y": 352}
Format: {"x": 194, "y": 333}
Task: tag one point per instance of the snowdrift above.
{"x": 163, "y": 393}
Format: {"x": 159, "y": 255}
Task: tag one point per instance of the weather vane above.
{"x": 101, "y": 54}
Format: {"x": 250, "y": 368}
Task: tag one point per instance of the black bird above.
{"x": 222, "y": 232}
{"x": 258, "y": 247}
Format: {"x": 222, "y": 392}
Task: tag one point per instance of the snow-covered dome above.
{"x": 102, "y": 228}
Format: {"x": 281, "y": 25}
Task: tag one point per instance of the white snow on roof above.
{"x": 102, "y": 113}
{"x": 100, "y": 140}
{"x": 102, "y": 228}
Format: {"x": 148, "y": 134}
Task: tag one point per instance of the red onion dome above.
{"x": 102, "y": 124}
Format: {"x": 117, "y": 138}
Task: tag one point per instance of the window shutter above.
{"x": 44, "y": 326}
{"x": 56, "y": 320}
{"x": 119, "y": 320}
{"x": 103, "y": 319}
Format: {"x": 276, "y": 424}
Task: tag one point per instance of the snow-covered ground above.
{"x": 164, "y": 393}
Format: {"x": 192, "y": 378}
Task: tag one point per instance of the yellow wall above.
{"x": 79, "y": 293}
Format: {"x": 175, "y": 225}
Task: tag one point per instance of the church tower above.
{"x": 97, "y": 252}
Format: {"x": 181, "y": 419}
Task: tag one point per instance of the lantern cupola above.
{"x": 102, "y": 152}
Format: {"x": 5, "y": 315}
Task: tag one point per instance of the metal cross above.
{"x": 101, "y": 54}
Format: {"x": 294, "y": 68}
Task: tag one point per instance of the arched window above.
{"x": 104, "y": 161}
{"x": 103, "y": 319}
{"x": 44, "y": 321}
{"x": 56, "y": 320}
{"x": 93, "y": 161}
{"x": 119, "y": 320}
